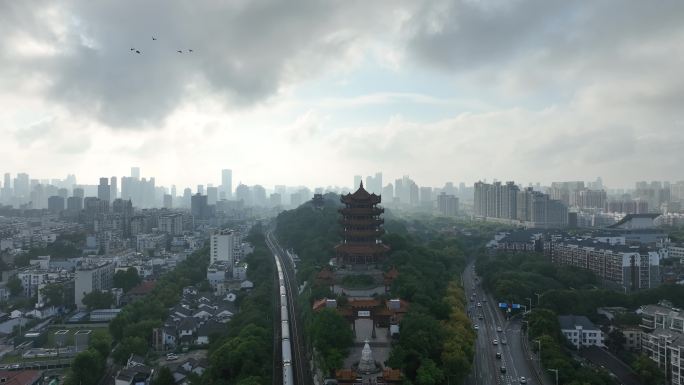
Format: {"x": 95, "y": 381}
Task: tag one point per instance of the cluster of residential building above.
{"x": 576, "y": 204}
{"x": 194, "y": 319}
{"x": 662, "y": 338}
{"x": 627, "y": 255}
{"x": 509, "y": 203}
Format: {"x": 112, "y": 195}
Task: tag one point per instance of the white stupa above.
{"x": 367, "y": 363}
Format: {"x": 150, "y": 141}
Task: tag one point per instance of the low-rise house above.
{"x": 580, "y": 331}
{"x": 134, "y": 373}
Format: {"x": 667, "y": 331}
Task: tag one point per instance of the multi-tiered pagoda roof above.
{"x": 361, "y": 229}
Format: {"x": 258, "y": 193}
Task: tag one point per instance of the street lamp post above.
{"x": 530, "y": 301}
{"x": 556, "y": 372}
{"x": 539, "y": 352}
{"x": 538, "y": 297}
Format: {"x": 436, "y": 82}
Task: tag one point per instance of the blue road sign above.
{"x": 503, "y": 305}
{"x": 515, "y": 306}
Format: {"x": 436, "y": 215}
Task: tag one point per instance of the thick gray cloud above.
{"x": 242, "y": 50}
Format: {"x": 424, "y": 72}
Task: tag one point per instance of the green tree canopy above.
{"x": 98, "y": 300}
{"x": 126, "y": 279}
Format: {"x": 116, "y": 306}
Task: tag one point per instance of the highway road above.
{"x": 487, "y": 367}
{"x": 299, "y": 357}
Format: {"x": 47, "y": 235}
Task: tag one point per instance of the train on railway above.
{"x": 286, "y": 350}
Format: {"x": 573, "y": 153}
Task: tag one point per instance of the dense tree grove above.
{"x": 436, "y": 338}
{"x": 244, "y": 355}
{"x": 332, "y": 338}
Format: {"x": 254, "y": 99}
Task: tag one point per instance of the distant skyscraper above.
{"x": 78, "y": 192}
{"x": 187, "y": 195}
{"x": 259, "y": 195}
{"x": 244, "y": 193}
{"x": 135, "y": 172}
{"x": 168, "y": 201}
{"x": 56, "y": 204}
{"x": 21, "y": 185}
{"x": 103, "y": 190}
{"x": 227, "y": 183}
{"x": 198, "y": 207}
{"x": 447, "y": 204}
{"x": 64, "y": 193}
{"x": 374, "y": 183}
{"x": 200, "y": 189}
{"x": 357, "y": 182}
{"x": 388, "y": 193}
{"x": 173, "y": 191}
{"x": 75, "y": 203}
{"x": 113, "y": 189}
{"x": 212, "y": 195}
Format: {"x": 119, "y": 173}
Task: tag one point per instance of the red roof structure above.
{"x": 144, "y": 288}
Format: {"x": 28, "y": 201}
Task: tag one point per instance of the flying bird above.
{"x": 189, "y": 50}
{"x": 132, "y": 49}
{"x": 154, "y": 38}
{"x": 136, "y": 51}
{"x": 179, "y": 51}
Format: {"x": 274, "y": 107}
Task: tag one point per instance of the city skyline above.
{"x": 436, "y": 90}
{"x": 219, "y": 180}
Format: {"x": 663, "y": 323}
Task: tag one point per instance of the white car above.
{"x": 503, "y": 341}
{"x": 479, "y": 304}
{"x": 476, "y": 327}
{"x": 171, "y": 357}
{"x": 498, "y": 329}
{"x": 523, "y": 380}
{"x": 495, "y": 342}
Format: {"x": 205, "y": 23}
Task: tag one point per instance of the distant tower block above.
{"x": 361, "y": 230}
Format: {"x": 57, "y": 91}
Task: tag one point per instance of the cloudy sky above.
{"x": 312, "y": 92}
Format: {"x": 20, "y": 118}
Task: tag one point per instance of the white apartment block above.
{"x": 225, "y": 244}
{"x": 663, "y": 339}
{"x": 579, "y": 331}
{"x": 31, "y": 279}
{"x": 91, "y": 277}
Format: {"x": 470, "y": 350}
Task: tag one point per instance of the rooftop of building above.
{"x": 595, "y": 244}
{"x": 630, "y": 217}
{"x": 570, "y": 322}
{"x": 675, "y": 338}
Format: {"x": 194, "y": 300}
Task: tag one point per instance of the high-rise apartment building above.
{"x": 212, "y": 195}
{"x": 74, "y": 203}
{"x": 56, "y": 204}
{"x": 223, "y": 244}
{"x": 135, "y": 172}
{"x": 507, "y": 203}
{"x": 199, "y": 207}
{"x": 171, "y": 224}
{"x": 168, "y": 201}
{"x": 226, "y": 184}
{"x": 103, "y": 192}
{"x": 447, "y": 205}
{"x": 113, "y": 188}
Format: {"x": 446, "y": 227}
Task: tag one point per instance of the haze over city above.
{"x": 312, "y": 92}
{"x": 326, "y": 192}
